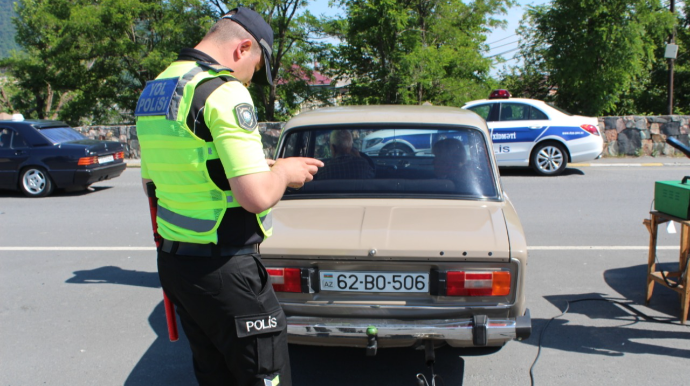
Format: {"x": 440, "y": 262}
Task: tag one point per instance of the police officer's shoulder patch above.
{"x": 246, "y": 117}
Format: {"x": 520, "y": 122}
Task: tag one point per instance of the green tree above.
{"x": 652, "y": 95}
{"x": 530, "y": 78}
{"x": 295, "y": 46}
{"x": 7, "y": 30}
{"x": 682, "y": 75}
{"x": 410, "y": 52}
{"x": 87, "y": 61}
{"x": 596, "y": 53}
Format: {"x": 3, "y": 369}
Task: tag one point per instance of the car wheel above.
{"x": 35, "y": 182}
{"x": 396, "y": 150}
{"x": 549, "y": 159}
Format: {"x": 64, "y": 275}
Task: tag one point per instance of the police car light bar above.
{"x": 499, "y": 94}
{"x": 460, "y": 283}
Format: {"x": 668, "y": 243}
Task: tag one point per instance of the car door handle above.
{"x": 19, "y": 152}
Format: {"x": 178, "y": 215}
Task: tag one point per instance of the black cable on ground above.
{"x": 567, "y": 307}
{"x": 421, "y": 379}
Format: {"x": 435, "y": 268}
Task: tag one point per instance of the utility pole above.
{"x": 671, "y": 59}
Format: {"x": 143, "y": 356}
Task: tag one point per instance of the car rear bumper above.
{"x": 586, "y": 149}
{"x": 478, "y": 331}
{"x": 101, "y": 173}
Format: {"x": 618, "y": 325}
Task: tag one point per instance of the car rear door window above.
{"x": 482, "y": 110}
{"x": 10, "y": 139}
{"x": 5, "y": 138}
{"x": 18, "y": 141}
{"x": 514, "y": 112}
{"x": 536, "y": 114}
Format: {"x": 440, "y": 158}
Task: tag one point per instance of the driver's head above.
{"x": 341, "y": 141}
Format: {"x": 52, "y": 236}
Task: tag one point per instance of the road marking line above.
{"x": 622, "y": 165}
{"x": 529, "y": 248}
{"x": 77, "y": 248}
{"x": 597, "y": 248}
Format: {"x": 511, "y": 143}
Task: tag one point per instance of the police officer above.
{"x": 201, "y": 148}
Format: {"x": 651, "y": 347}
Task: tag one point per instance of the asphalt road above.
{"x": 81, "y": 302}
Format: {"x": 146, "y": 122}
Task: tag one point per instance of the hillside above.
{"x": 7, "y": 42}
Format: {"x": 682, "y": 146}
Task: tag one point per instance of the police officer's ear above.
{"x": 243, "y": 48}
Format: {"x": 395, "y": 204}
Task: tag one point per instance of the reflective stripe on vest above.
{"x": 193, "y": 224}
{"x": 199, "y": 225}
{"x": 266, "y": 220}
{"x": 179, "y": 91}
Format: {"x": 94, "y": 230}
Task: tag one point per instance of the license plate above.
{"x": 374, "y": 281}
{"x": 105, "y": 159}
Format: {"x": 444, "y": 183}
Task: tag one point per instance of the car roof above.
{"x": 434, "y": 115}
{"x": 500, "y": 100}
{"x": 37, "y": 123}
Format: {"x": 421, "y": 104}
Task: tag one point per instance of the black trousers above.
{"x": 236, "y": 328}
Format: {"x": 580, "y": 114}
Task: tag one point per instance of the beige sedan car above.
{"x": 404, "y": 236}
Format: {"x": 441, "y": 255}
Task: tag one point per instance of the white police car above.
{"x": 528, "y": 132}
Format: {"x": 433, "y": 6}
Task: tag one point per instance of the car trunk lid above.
{"x": 94, "y": 147}
{"x": 400, "y": 229}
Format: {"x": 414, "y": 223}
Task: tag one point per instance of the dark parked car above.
{"x": 38, "y": 156}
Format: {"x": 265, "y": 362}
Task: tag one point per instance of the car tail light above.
{"x": 460, "y": 283}
{"x": 87, "y": 161}
{"x": 119, "y": 155}
{"x": 286, "y": 279}
{"x": 590, "y": 129}
{"x": 499, "y": 94}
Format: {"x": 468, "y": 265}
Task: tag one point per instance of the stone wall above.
{"x": 639, "y": 136}
{"x": 127, "y": 135}
{"x": 623, "y": 136}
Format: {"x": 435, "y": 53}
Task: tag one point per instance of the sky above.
{"x": 503, "y": 42}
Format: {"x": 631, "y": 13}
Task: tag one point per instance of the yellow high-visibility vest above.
{"x": 190, "y": 205}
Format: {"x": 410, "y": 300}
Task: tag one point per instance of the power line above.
{"x": 513, "y": 58}
{"x": 504, "y": 52}
{"x": 501, "y": 39}
{"x": 503, "y": 45}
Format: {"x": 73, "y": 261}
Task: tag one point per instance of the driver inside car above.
{"x": 450, "y": 160}
{"x": 346, "y": 162}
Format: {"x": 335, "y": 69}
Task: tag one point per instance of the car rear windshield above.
{"x": 384, "y": 161}
{"x": 61, "y": 134}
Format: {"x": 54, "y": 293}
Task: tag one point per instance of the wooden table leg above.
{"x": 652, "y": 226}
{"x": 684, "y": 260}
{"x": 685, "y": 302}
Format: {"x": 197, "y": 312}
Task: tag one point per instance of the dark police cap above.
{"x": 262, "y": 33}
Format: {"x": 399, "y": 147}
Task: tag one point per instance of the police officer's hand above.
{"x": 297, "y": 170}
{"x": 257, "y": 192}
